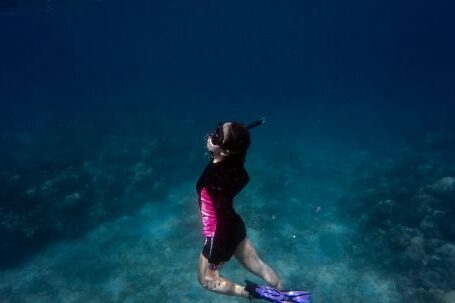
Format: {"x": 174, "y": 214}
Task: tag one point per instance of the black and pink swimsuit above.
{"x": 221, "y": 225}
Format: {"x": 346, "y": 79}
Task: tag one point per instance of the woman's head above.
{"x": 229, "y": 139}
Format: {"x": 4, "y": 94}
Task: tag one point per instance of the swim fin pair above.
{"x": 275, "y": 296}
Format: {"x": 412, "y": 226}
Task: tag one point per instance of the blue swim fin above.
{"x": 275, "y": 296}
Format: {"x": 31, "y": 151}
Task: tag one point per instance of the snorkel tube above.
{"x": 255, "y": 123}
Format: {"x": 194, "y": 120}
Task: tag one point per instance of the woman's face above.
{"x": 216, "y": 149}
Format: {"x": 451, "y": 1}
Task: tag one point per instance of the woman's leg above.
{"x": 210, "y": 279}
{"x": 247, "y": 256}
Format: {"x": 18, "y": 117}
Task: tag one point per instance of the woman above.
{"x": 224, "y": 230}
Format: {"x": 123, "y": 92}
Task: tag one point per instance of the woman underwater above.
{"x": 225, "y": 234}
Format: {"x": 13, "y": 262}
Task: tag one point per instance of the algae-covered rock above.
{"x": 445, "y": 185}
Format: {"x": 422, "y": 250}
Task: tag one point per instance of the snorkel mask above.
{"x": 217, "y": 134}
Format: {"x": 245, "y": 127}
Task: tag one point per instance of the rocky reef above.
{"x": 404, "y": 212}
{"x": 61, "y": 183}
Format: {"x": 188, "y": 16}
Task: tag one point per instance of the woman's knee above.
{"x": 209, "y": 283}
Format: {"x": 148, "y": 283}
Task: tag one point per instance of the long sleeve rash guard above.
{"x": 217, "y": 186}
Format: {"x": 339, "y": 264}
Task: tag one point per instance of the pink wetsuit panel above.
{"x": 208, "y": 214}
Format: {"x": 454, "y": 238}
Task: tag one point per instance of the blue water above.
{"x": 104, "y": 108}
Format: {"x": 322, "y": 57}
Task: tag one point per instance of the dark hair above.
{"x": 237, "y": 141}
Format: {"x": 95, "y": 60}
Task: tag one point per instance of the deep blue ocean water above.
{"x": 104, "y": 109}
